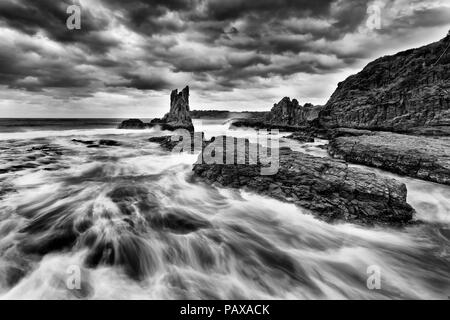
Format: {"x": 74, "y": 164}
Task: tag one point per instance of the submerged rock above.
{"x": 132, "y": 124}
{"x": 196, "y": 142}
{"x": 97, "y": 144}
{"x": 85, "y": 142}
{"x": 109, "y": 143}
{"x": 329, "y": 188}
{"x": 426, "y": 158}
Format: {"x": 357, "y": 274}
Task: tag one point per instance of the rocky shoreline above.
{"x": 402, "y": 94}
{"x": 426, "y": 158}
{"x": 326, "y": 187}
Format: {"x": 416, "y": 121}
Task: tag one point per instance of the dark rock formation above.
{"x": 98, "y": 144}
{"x": 109, "y": 143}
{"x": 164, "y": 141}
{"x": 286, "y": 115}
{"x": 290, "y": 113}
{"x": 178, "y": 116}
{"x": 402, "y": 93}
{"x": 426, "y": 158}
{"x": 132, "y": 124}
{"x": 329, "y": 188}
{"x": 169, "y": 143}
{"x": 85, "y": 142}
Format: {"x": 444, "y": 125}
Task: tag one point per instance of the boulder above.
{"x": 132, "y": 124}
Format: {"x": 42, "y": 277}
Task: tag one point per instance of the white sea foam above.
{"x": 139, "y": 227}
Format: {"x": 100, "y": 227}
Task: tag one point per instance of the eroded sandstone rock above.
{"x": 405, "y": 92}
{"x": 426, "y": 158}
{"x": 178, "y": 116}
{"x": 327, "y": 187}
{"x": 290, "y": 113}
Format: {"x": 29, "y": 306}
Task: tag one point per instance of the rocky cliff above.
{"x": 405, "y": 92}
{"x": 291, "y": 113}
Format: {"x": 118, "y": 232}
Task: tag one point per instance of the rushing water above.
{"x": 138, "y": 226}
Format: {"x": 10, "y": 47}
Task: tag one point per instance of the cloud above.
{"x": 141, "y": 82}
{"x": 49, "y": 17}
{"x": 215, "y": 46}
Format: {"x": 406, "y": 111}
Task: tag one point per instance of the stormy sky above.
{"x": 234, "y": 54}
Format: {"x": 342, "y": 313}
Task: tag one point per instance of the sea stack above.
{"x": 179, "y": 115}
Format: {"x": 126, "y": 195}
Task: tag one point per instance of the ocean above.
{"x": 36, "y": 124}
{"x": 129, "y": 221}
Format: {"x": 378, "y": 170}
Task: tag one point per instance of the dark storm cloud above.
{"x": 424, "y": 17}
{"x": 141, "y": 82}
{"x": 248, "y": 60}
{"x": 197, "y": 64}
{"x": 18, "y": 70}
{"x": 234, "y": 9}
{"x": 144, "y": 16}
{"x": 231, "y": 66}
{"x": 349, "y": 15}
{"x": 218, "y": 44}
{"x": 50, "y": 16}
